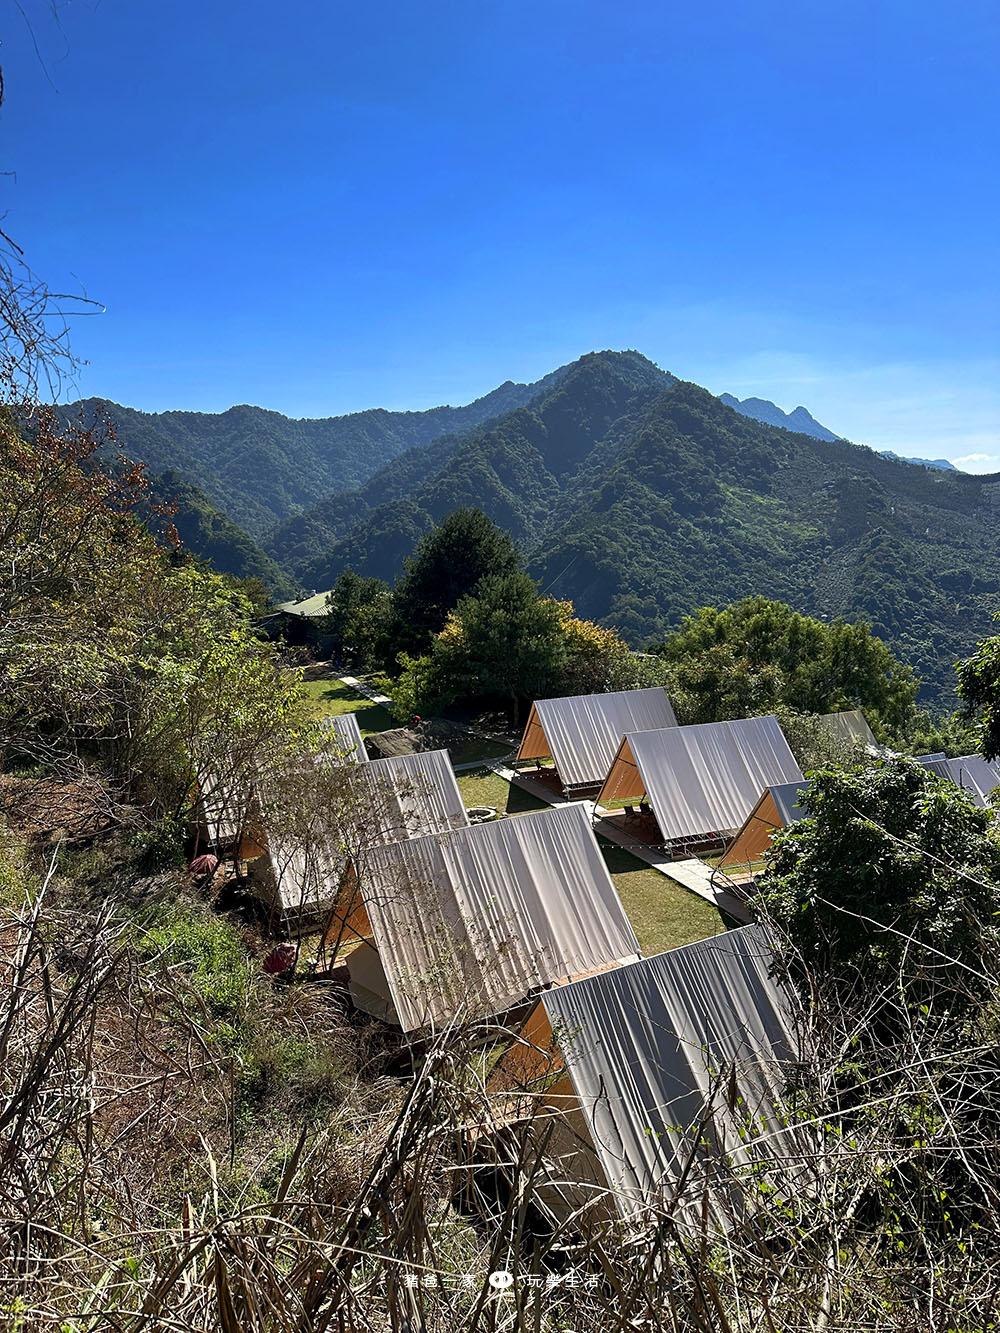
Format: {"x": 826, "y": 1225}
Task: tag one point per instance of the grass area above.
{"x": 330, "y": 697}
{"x": 478, "y": 748}
{"x": 663, "y": 915}
{"x": 479, "y": 786}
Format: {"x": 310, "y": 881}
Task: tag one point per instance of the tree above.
{"x": 759, "y": 654}
{"x": 357, "y": 618}
{"x": 116, "y": 651}
{"x": 979, "y": 687}
{"x": 447, "y": 564}
{"x": 889, "y": 860}
{"x": 504, "y": 640}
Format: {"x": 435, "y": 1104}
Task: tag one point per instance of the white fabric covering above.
{"x": 583, "y": 731}
{"x": 224, "y": 802}
{"x": 410, "y": 795}
{"x": 971, "y": 772}
{"x": 472, "y": 922}
{"x": 298, "y": 880}
{"x": 342, "y": 739}
{"x": 646, "y": 1043}
{"x": 702, "y": 779}
{"x": 850, "y": 726}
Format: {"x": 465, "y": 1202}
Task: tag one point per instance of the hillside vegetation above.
{"x": 259, "y": 467}
{"x": 642, "y": 498}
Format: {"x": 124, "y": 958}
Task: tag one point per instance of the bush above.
{"x": 210, "y": 953}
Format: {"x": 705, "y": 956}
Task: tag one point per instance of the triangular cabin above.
{"x": 777, "y": 808}
{"x": 971, "y": 772}
{"x": 226, "y": 815}
{"x": 698, "y": 784}
{"x": 613, "y": 1074}
{"x": 474, "y": 922}
{"x": 580, "y": 733}
{"x": 301, "y": 874}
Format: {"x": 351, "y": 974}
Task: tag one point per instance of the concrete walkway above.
{"x": 692, "y": 874}
{"x": 366, "y": 691}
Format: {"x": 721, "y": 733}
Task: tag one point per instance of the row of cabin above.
{"x": 518, "y": 922}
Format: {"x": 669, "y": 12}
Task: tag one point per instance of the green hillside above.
{"x": 261, "y": 467}
{"x": 209, "y": 534}
{"x": 641, "y": 498}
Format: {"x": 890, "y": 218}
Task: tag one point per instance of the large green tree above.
{"x": 358, "y": 614}
{"x": 759, "y": 655}
{"x": 116, "y": 651}
{"x": 979, "y": 687}
{"x": 890, "y": 859}
{"x": 447, "y": 564}
{"x": 504, "y": 640}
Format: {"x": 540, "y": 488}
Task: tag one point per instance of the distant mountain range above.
{"x": 761, "y": 409}
{"x": 637, "y": 495}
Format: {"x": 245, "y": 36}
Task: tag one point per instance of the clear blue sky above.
{"x": 321, "y": 206}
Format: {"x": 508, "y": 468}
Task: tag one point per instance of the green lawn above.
{"x": 332, "y": 696}
{"x": 480, "y": 786}
{"x": 663, "y": 915}
{"x": 476, "y": 747}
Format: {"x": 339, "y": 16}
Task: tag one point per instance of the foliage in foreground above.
{"x": 177, "y": 1153}
{"x": 115, "y": 651}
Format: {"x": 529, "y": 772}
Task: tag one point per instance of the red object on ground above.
{"x": 280, "y": 959}
{"x": 204, "y": 865}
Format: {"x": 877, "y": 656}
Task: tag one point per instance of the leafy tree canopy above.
{"x": 447, "y": 564}
{"x": 759, "y": 655}
{"x": 889, "y": 854}
{"x": 979, "y": 687}
{"x": 358, "y": 616}
{"x": 116, "y": 651}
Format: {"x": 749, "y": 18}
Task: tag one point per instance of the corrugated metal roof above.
{"x": 472, "y": 922}
{"x": 583, "y": 731}
{"x": 850, "y": 726}
{"x": 342, "y": 739}
{"x": 702, "y": 779}
{"x": 645, "y": 1044}
{"x": 410, "y": 795}
{"x": 786, "y": 798}
{"x": 971, "y": 772}
{"x": 308, "y": 606}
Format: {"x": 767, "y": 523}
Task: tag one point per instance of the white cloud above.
{"x": 978, "y": 462}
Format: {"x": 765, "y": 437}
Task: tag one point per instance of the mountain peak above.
{"x": 762, "y": 409}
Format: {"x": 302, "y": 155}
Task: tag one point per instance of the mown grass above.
{"x": 480, "y": 786}
{"x": 330, "y": 697}
{"x": 663, "y": 914}
{"x": 477, "y": 747}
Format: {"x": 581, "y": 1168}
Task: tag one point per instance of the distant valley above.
{"x": 637, "y": 495}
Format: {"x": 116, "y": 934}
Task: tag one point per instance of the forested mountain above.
{"x": 261, "y": 467}
{"x": 208, "y": 533}
{"x": 642, "y": 497}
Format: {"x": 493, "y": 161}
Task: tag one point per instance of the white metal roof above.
{"x": 850, "y": 726}
{"x": 971, "y": 772}
{"x": 582, "y": 732}
{"x": 702, "y": 779}
{"x": 410, "y": 795}
{"x": 474, "y": 921}
{"x": 645, "y": 1043}
{"x": 342, "y": 739}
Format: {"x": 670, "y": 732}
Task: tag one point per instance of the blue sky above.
{"x": 320, "y": 207}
